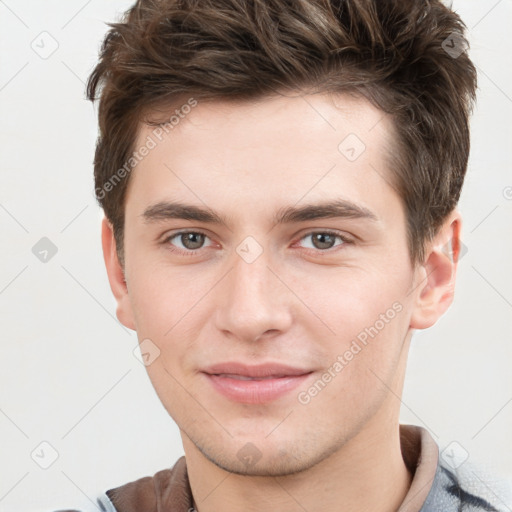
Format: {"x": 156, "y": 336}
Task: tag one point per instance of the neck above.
{"x": 367, "y": 473}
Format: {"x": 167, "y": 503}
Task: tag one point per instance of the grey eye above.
{"x": 323, "y": 240}
{"x": 189, "y": 240}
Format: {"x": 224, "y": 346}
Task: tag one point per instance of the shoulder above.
{"x": 469, "y": 488}
{"x": 168, "y": 486}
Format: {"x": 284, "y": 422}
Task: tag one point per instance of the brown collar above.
{"x": 421, "y": 454}
{"x": 166, "y": 491}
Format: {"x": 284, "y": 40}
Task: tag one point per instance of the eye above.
{"x": 190, "y": 241}
{"x": 324, "y": 240}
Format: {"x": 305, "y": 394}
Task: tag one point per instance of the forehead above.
{"x": 302, "y": 115}
{"x": 277, "y": 149}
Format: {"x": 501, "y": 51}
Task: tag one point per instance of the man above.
{"x": 280, "y": 182}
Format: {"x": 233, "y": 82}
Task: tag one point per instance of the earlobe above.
{"x": 435, "y": 282}
{"x": 116, "y": 276}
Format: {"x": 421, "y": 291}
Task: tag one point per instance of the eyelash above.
{"x": 344, "y": 239}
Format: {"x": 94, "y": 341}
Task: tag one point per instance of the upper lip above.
{"x": 260, "y": 370}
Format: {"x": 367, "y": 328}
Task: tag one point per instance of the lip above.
{"x": 259, "y": 371}
{"x": 255, "y": 384}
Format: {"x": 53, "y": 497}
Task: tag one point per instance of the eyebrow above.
{"x": 340, "y": 208}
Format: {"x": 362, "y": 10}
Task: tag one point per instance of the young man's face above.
{"x": 256, "y": 292}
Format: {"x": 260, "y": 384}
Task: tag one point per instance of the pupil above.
{"x": 320, "y": 237}
{"x": 188, "y": 240}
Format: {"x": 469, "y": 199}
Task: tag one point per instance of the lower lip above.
{"x": 255, "y": 391}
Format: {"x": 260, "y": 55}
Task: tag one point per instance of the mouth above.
{"x": 246, "y": 377}
{"x": 255, "y": 384}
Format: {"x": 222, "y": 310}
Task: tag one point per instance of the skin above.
{"x": 298, "y": 302}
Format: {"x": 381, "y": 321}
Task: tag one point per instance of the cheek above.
{"x": 161, "y": 296}
{"x": 150, "y": 298}
{"x": 353, "y": 299}
{"x": 361, "y": 360}
{"x": 368, "y": 312}
{"x": 170, "y": 307}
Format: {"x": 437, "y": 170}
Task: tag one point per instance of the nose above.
{"x": 253, "y": 302}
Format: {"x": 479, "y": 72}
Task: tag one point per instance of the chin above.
{"x": 274, "y": 461}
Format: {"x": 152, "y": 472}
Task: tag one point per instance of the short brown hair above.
{"x": 407, "y": 57}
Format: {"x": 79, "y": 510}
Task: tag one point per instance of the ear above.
{"x": 435, "y": 278}
{"x": 116, "y": 276}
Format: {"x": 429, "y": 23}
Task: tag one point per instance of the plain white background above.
{"x": 68, "y": 373}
